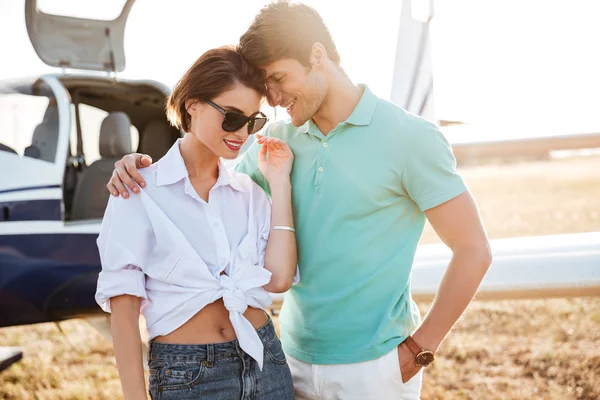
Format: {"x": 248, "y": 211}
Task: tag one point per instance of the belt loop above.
{"x": 210, "y": 355}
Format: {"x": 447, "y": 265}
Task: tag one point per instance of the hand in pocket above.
{"x": 408, "y": 366}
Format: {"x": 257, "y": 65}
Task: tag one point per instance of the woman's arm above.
{"x": 125, "y": 243}
{"x": 281, "y": 257}
{"x": 275, "y": 161}
{"x": 127, "y": 345}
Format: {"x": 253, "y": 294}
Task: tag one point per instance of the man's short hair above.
{"x": 283, "y": 30}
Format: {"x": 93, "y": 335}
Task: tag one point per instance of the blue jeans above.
{"x": 219, "y": 371}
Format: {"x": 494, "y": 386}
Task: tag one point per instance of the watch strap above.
{"x": 413, "y": 346}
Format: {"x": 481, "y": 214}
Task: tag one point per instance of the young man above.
{"x": 366, "y": 175}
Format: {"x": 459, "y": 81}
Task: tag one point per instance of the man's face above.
{"x": 299, "y": 89}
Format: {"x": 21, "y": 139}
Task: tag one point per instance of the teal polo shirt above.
{"x": 358, "y": 196}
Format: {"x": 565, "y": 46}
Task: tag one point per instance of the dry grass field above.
{"x": 534, "y": 349}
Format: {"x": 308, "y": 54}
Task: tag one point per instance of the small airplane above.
{"x": 61, "y": 133}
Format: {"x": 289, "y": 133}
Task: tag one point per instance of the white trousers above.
{"x": 378, "y": 379}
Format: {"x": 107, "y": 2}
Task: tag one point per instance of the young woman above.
{"x": 199, "y": 248}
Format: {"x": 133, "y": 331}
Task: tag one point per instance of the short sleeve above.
{"x": 124, "y": 243}
{"x": 429, "y": 175}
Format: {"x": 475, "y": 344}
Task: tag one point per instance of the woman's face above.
{"x": 206, "y": 120}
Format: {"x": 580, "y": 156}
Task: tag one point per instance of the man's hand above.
{"x": 126, "y": 174}
{"x": 408, "y": 366}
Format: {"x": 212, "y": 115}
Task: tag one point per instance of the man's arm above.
{"x": 126, "y": 172}
{"x": 459, "y": 226}
{"x": 430, "y": 179}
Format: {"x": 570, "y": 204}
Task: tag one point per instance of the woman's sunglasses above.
{"x": 234, "y": 121}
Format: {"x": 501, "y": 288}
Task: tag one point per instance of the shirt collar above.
{"x": 362, "y": 114}
{"x": 171, "y": 169}
{"x": 311, "y": 128}
{"x": 228, "y": 177}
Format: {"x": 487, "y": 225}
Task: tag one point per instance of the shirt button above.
{"x": 216, "y": 224}
{"x": 320, "y": 169}
{"x": 325, "y": 144}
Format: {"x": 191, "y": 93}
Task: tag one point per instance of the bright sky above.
{"x": 534, "y": 63}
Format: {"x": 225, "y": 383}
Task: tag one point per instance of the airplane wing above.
{"x": 526, "y": 267}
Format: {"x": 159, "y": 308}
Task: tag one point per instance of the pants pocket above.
{"x": 397, "y": 363}
{"x": 180, "y": 374}
{"x": 275, "y": 351}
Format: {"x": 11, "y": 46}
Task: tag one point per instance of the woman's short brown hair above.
{"x": 215, "y": 72}
{"x": 284, "y": 29}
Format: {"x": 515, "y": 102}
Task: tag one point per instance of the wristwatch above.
{"x": 423, "y": 357}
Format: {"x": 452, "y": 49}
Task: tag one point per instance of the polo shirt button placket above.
{"x": 320, "y": 169}
{"x": 319, "y": 179}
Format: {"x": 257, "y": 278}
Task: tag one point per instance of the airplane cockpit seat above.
{"x": 156, "y": 139}
{"x": 32, "y": 152}
{"x": 45, "y": 137}
{"x": 91, "y": 196}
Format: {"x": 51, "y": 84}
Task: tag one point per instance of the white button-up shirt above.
{"x": 168, "y": 246}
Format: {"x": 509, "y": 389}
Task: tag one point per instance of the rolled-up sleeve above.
{"x": 124, "y": 243}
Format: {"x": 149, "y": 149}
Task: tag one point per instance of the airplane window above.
{"x": 91, "y": 120}
{"x": 29, "y": 125}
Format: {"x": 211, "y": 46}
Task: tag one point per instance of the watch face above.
{"x": 424, "y": 358}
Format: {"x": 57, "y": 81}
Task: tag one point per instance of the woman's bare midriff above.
{"x": 211, "y": 325}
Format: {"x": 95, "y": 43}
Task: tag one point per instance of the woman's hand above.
{"x": 275, "y": 159}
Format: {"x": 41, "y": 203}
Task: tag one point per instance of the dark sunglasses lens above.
{"x": 258, "y": 124}
{"x": 233, "y": 122}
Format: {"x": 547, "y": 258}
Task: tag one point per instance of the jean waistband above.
{"x": 203, "y": 352}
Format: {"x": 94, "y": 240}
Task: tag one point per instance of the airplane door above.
{"x": 78, "y": 43}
